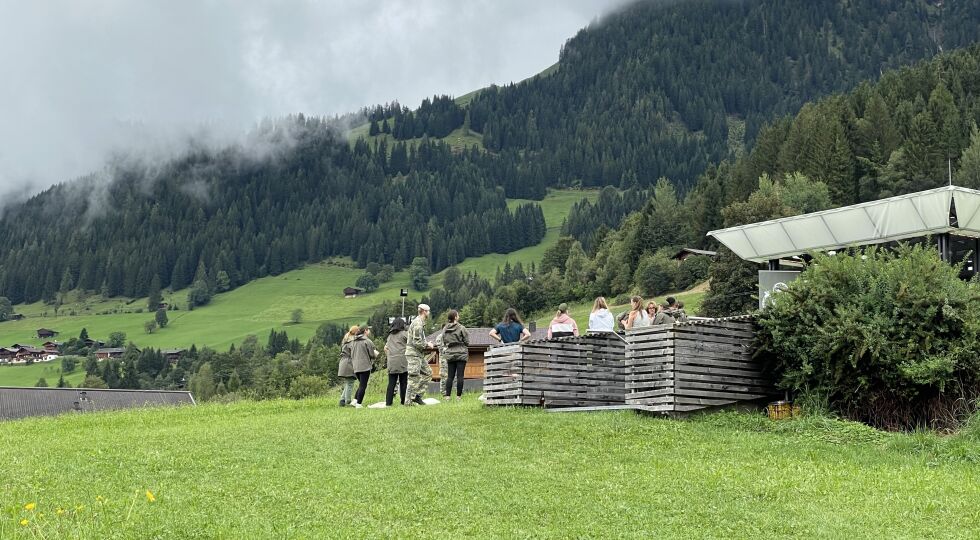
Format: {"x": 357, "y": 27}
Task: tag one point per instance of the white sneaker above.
{"x": 356, "y": 404}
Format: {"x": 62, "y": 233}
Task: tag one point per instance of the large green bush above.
{"x": 891, "y": 338}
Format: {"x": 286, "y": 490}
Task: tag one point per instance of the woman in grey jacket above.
{"x": 397, "y": 363}
{"x": 456, "y": 342}
{"x": 345, "y": 370}
{"x": 362, "y": 355}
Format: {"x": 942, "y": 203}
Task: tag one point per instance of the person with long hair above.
{"x": 456, "y": 344}
{"x": 362, "y": 355}
{"x": 601, "y": 319}
{"x": 638, "y": 317}
{"x": 397, "y": 363}
{"x": 510, "y": 329}
{"x": 345, "y": 370}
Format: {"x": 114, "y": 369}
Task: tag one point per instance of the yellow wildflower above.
{"x": 29, "y": 506}
{"x": 150, "y": 497}
{"x": 24, "y": 522}
{"x": 99, "y": 498}
{"x": 59, "y": 511}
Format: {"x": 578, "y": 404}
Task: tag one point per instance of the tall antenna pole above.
{"x": 949, "y": 164}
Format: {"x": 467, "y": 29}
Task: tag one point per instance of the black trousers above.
{"x": 362, "y": 381}
{"x": 396, "y": 378}
{"x": 456, "y": 370}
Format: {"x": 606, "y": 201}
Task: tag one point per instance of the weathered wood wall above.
{"x": 584, "y": 371}
{"x": 670, "y": 369}
{"x": 690, "y": 366}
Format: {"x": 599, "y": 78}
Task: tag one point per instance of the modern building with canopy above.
{"x": 950, "y": 215}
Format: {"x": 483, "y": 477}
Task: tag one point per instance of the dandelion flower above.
{"x": 29, "y": 506}
{"x": 59, "y": 511}
{"x": 99, "y": 498}
{"x": 150, "y": 497}
{"x": 24, "y": 522}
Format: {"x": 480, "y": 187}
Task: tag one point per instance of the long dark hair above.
{"x": 511, "y": 316}
{"x": 397, "y": 325}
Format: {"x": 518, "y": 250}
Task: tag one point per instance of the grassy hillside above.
{"x": 555, "y": 206}
{"x": 307, "y": 469}
{"x": 258, "y": 307}
{"x": 255, "y": 308}
{"x": 21, "y": 375}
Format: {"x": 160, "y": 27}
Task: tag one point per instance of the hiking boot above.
{"x": 418, "y": 400}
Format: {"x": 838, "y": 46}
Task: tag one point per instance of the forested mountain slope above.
{"x": 667, "y": 88}
{"x": 227, "y": 218}
{"x": 905, "y": 132}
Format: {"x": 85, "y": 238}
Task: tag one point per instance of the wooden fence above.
{"x": 689, "y": 366}
{"x": 586, "y": 371}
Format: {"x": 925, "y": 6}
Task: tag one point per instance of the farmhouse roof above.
{"x": 479, "y": 337}
{"x": 949, "y": 209}
{"x": 110, "y": 350}
{"x": 691, "y": 251}
{"x": 25, "y": 402}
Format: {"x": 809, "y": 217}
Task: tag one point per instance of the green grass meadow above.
{"x": 24, "y": 375}
{"x": 256, "y": 308}
{"x": 308, "y": 469}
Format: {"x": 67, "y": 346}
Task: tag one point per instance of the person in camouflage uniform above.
{"x": 419, "y": 373}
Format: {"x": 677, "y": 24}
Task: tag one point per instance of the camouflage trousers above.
{"x": 443, "y": 372}
{"x": 419, "y": 376}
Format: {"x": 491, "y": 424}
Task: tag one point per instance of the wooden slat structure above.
{"x": 690, "y": 366}
{"x": 586, "y": 371}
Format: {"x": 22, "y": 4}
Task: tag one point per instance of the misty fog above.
{"x": 82, "y": 80}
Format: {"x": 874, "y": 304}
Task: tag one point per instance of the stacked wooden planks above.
{"x": 690, "y": 366}
{"x": 585, "y": 371}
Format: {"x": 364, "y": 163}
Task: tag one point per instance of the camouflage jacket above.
{"x": 416, "y": 337}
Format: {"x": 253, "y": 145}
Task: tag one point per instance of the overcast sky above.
{"x": 79, "y": 79}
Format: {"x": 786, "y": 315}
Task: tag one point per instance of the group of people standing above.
{"x": 406, "y": 346}
{"x": 405, "y": 350}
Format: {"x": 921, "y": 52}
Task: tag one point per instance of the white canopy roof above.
{"x": 936, "y": 211}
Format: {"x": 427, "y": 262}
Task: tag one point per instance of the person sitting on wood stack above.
{"x": 562, "y": 325}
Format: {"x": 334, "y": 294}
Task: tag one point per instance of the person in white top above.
{"x": 600, "y": 320}
{"x": 638, "y": 317}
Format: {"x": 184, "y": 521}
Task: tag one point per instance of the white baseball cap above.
{"x": 424, "y": 307}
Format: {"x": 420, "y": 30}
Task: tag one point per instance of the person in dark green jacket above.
{"x": 456, "y": 342}
{"x": 397, "y": 363}
{"x": 362, "y": 355}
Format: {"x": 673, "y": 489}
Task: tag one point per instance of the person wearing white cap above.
{"x": 419, "y": 372}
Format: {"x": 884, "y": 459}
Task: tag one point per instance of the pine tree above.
{"x": 154, "y": 299}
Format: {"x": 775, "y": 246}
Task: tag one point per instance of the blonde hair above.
{"x": 351, "y": 334}
{"x": 653, "y": 305}
{"x": 600, "y": 303}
